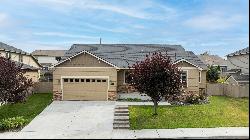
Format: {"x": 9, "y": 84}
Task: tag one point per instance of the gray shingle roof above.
{"x": 54, "y": 53}
{"x": 243, "y": 51}
{"x": 25, "y": 66}
{"x": 6, "y": 47}
{"x": 212, "y": 60}
{"x": 124, "y": 55}
{"x": 240, "y": 77}
{"x": 234, "y": 71}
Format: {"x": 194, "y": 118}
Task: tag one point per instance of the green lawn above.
{"x": 220, "y": 112}
{"x": 29, "y": 110}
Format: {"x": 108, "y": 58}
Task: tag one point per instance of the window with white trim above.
{"x": 20, "y": 58}
{"x": 126, "y": 73}
{"x": 199, "y": 76}
{"x": 184, "y": 78}
{"x": 8, "y": 55}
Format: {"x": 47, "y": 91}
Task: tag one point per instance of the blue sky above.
{"x": 217, "y": 26}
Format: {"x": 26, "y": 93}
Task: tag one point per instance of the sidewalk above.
{"x": 181, "y": 133}
{"x": 184, "y": 133}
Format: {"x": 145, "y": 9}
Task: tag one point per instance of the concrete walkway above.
{"x": 139, "y": 103}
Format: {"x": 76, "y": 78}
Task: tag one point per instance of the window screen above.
{"x": 184, "y": 78}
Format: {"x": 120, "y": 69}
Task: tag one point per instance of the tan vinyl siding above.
{"x": 30, "y": 61}
{"x": 14, "y": 57}
{"x": 193, "y": 80}
{"x": 203, "y": 79}
{"x": 2, "y": 53}
{"x": 192, "y": 76}
{"x": 84, "y": 60}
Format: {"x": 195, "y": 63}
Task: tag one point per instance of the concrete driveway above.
{"x": 72, "y": 119}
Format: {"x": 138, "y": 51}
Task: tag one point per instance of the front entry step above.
{"x": 121, "y": 117}
{"x": 116, "y": 126}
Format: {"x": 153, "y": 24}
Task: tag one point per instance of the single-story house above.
{"x": 98, "y": 71}
{"x": 30, "y": 64}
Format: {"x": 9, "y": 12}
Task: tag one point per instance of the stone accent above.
{"x": 57, "y": 95}
{"x": 112, "y": 95}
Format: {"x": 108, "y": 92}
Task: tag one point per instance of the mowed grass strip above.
{"x": 35, "y": 104}
{"x": 220, "y": 112}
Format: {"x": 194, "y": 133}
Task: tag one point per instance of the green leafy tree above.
{"x": 213, "y": 73}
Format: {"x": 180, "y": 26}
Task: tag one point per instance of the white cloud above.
{"x": 215, "y": 21}
{"x": 4, "y": 20}
{"x": 130, "y": 9}
{"x": 115, "y": 30}
{"x": 60, "y": 34}
{"x": 138, "y": 26}
{"x": 113, "y": 8}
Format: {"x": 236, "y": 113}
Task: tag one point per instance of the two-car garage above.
{"x": 85, "y": 88}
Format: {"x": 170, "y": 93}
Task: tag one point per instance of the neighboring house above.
{"x": 98, "y": 71}
{"x": 29, "y": 62}
{"x": 239, "y": 60}
{"x": 238, "y": 79}
{"x": 48, "y": 58}
{"x": 238, "y": 67}
{"x": 214, "y": 60}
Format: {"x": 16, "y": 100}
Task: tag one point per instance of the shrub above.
{"x": 192, "y": 97}
{"x": 213, "y": 73}
{"x": 189, "y": 97}
{"x": 13, "y": 123}
{"x": 222, "y": 80}
{"x": 132, "y": 100}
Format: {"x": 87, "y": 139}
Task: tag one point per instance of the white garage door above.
{"x": 90, "y": 89}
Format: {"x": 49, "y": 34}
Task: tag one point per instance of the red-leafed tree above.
{"x": 13, "y": 84}
{"x": 156, "y": 76}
